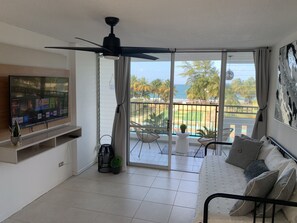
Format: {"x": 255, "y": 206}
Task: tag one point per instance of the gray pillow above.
{"x": 254, "y": 169}
{"x": 257, "y": 187}
{"x": 243, "y": 152}
{"x": 282, "y": 190}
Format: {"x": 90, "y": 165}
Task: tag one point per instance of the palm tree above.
{"x": 144, "y": 87}
{"x": 203, "y": 79}
{"x": 155, "y": 87}
{"x": 133, "y": 86}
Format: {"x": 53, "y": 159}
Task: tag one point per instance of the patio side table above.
{"x": 182, "y": 143}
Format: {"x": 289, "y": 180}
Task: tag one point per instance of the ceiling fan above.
{"x": 112, "y": 49}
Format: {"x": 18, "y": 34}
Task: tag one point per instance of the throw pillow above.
{"x": 276, "y": 161}
{"x": 243, "y": 152}
{"x": 282, "y": 190}
{"x": 257, "y": 187}
{"x": 265, "y": 150}
{"x": 290, "y": 212}
{"x": 254, "y": 169}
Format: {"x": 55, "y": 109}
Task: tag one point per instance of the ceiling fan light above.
{"x": 111, "y": 57}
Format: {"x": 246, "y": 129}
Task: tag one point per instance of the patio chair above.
{"x": 204, "y": 141}
{"x": 144, "y": 136}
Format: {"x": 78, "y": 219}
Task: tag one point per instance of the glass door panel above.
{"x": 195, "y": 104}
{"x": 240, "y": 104}
{"x": 150, "y": 131}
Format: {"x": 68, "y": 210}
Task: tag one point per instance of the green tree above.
{"x": 133, "y": 86}
{"x": 245, "y": 89}
{"x": 203, "y": 80}
{"x": 155, "y": 87}
{"x": 144, "y": 87}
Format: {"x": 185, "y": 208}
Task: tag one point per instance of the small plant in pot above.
{"x": 183, "y": 128}
{"x": 15, "y": 133}
{"x": 116, "y": 164}
{"x": 206, "y": 133}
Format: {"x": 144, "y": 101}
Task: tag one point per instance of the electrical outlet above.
{"x": 61, "y": 164}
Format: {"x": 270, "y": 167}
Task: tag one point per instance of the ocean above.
{"x": 181, "y": 91}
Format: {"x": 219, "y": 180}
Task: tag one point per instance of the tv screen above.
{"x": 35, "y": 100}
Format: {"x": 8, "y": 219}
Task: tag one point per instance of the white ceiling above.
{"x": 159, "y": 23}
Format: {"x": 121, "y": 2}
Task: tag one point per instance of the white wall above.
{"x": 86, "y": 110}
{"x": 286, "y": 135}
{"x": 23, "y": 182}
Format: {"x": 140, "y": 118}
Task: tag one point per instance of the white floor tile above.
{"x": 188, "y": 186}
{"x": 181, "y": 215}
{"x": 107, "y": 218}
{"x": 184, "y": 199}
{"x": 107, "y": 204}
{"x": 140, "y": 221}
{"x": 146, "y": 195}
{"x": 190, "y": 176}
{"x": 154, "y": 212}
{"x": 46, "y": 213}
{"x": 12, "y": 221}
{"x": 160, "y": 196}
{"x": 107, "y": 188}
{"x": 147, "y": 171}
{"x": 166, "y": 183}
{"x": 170, "y": 174}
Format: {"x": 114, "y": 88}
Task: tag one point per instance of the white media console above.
{"x": 38, "y": 142}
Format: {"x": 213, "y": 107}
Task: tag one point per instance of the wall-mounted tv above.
{"x": 35, "y": 100}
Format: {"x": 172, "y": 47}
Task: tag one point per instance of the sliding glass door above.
{"x": 212, "y": 94}
{"x": 150, "y": 112}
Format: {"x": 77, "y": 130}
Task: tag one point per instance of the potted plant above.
{"x": 206, "y": 133}
{"x": 15, "y": 133}
{"x": 116, "y": 164}
{"x": 183, "y": 128}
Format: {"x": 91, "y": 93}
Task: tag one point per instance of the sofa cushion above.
{"x": 282, "y": 190}
{"x": 254, "y": 169}
{"x": 243, "y": 152}
{"x": 290, "y": 212}
{"x": 276, "y": 161}
{"x": 258, "y": 187}
{"x": 267, "y": 147}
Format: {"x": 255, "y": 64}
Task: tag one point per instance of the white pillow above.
{"x": 265, "y": 150}
{"x": 276, "y": 161}
{"x": 282, "y": 190}
{"x": 290, "y": 212}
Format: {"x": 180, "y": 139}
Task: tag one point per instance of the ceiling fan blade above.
{"x": 132, "y": 50}
{"x": 142, "y": 56}
{"x": 96, "y": 44}
{"x": 89, "y": 49}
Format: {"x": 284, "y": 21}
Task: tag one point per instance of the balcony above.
{"x": 154, "y": 116}
{"x": 195, "y": 116}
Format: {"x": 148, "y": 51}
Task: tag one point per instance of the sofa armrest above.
{"x": 216, "y": 143}
{"x": 256, "y": 200}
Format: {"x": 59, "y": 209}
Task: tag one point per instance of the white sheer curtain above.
{"x": 120, "y": 124}
{"x": 262, "y": 60}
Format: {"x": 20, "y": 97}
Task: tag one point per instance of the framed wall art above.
{"x": 286, "y": 92}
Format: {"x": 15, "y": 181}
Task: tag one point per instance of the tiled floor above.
{"x": 138, "y": 195}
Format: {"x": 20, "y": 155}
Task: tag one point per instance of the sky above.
{"x": 161, "y": 70}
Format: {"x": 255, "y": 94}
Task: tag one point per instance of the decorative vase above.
{"x": 16, "y": 140}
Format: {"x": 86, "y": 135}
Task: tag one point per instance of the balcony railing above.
{"x": 195, "y": 116}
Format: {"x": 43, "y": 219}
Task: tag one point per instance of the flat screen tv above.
{"x": 35, "y": 100}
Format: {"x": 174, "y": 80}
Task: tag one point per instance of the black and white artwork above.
{"x": 286, "y": 93}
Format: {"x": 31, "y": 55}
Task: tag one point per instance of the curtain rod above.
{"x": 209, "y": 50}
{"x": 199, "y": 50}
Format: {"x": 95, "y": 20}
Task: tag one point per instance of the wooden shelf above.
{"x": 39, "y": 142}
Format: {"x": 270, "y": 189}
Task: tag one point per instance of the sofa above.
{"x": 218, "y": 175}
